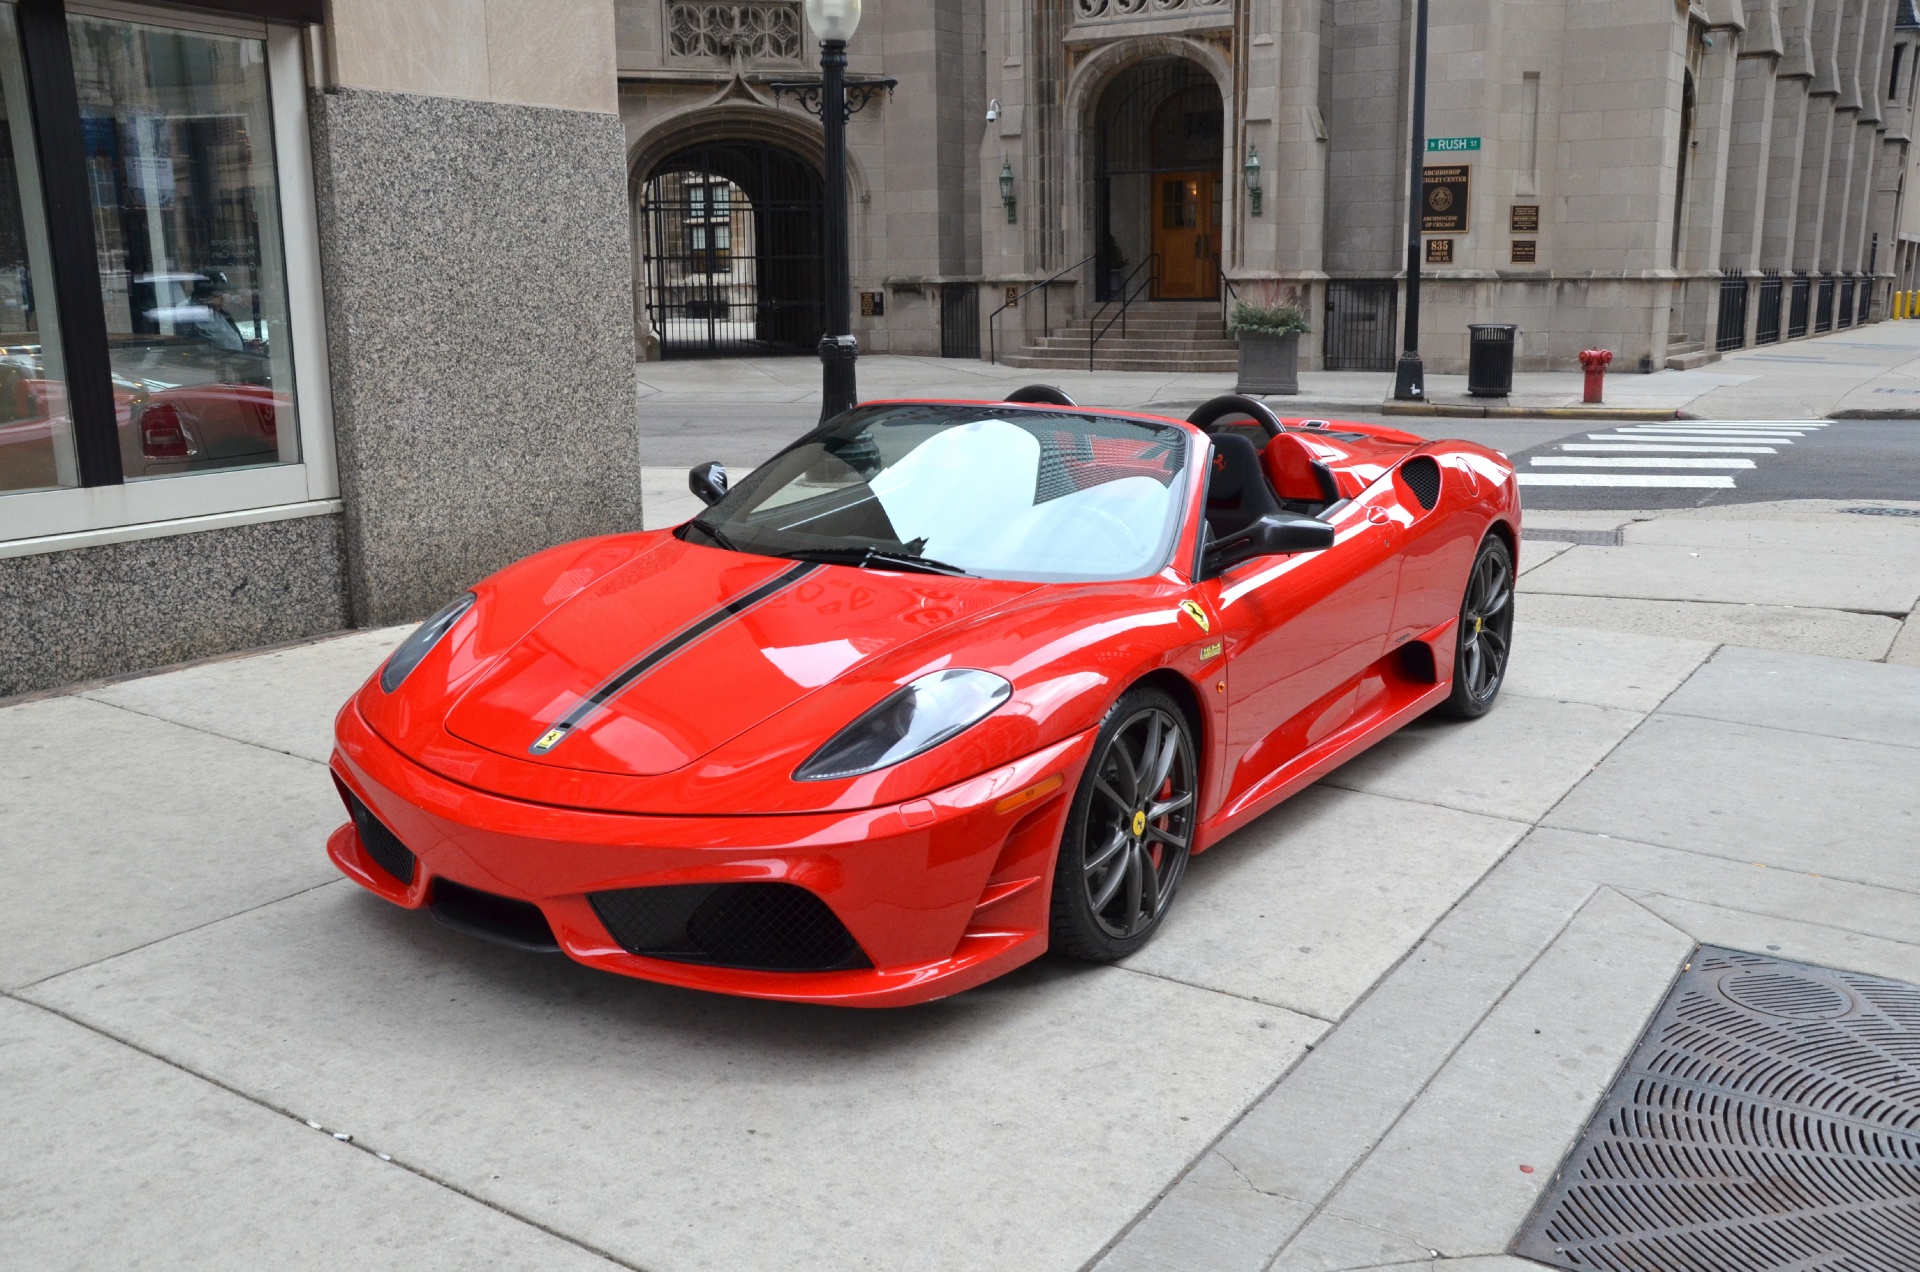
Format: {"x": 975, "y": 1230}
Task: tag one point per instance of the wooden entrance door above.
{"x": 1186, "y": 234}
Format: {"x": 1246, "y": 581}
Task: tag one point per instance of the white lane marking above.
{"x": 1695, "y": 428}
{"x": 1688, "y": 437}
{"x": 1737, "y": 424}
{"x": 1702, "y": 481}
{"x": 1585, "y": 461}
{"x": 1669, "y": 447}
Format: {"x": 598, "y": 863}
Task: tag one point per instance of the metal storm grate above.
{"x": 1768, "y": 1120}
{"x": 1591, "y": 538}
{"x": 1884, "y": 512}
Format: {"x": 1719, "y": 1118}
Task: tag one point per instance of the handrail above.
{"x": 1226, "y": 289}
{"x": 1046, "y": 298}
{"x": 1152, "y": 265}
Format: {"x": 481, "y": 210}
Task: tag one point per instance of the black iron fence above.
{"x": 1766, "y": 328}
{"x": 1823, "y": 307}
{"x": 1732, "y": 331}
{"x": 1797, "y": 310}
{"x": 1846, "y": 302}
{"x": 1360, "y": 324}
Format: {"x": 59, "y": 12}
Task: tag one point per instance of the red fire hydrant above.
{"x": 1595, "y": 361}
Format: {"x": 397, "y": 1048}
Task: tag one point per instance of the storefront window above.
{"x": 178, "y": 135}
{"x": 36, "y": 433}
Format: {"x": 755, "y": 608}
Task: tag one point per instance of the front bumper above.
{"x": 941, "y": 893}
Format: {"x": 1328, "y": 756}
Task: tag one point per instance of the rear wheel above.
{"x": 1130, "y": 830}
{"x": 1486, "y": 632}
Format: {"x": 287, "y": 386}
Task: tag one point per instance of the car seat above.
{"x": 1237, "y": 491}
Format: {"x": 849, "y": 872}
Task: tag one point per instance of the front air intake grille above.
{"x": 1423, "y": 478}
{"x": 381, "y": 844}
{"x": 1768, "y": 1121}
{"x": 519, "y": 925}
{"x": 768, "y": 927}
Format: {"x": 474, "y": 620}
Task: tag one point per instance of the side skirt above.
{"x": 1406, "y": 702}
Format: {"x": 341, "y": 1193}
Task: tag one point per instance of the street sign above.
{"x": 1443, "y": 202}
{"x": 1448, "y": 144}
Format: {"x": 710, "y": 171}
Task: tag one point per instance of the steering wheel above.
{"x": 1214, "y": 409}
{"x": 1040, "y": 395}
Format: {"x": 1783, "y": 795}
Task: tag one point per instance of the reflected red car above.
{"x": 940, "y": 687}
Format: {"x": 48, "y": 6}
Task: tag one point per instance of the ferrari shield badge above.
{"x": 1193, "y": 611}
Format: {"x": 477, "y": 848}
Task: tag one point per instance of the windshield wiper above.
{"x": 868, "y": 558}
{"x": 720, "y": 540}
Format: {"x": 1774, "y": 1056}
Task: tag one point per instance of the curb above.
{"x": 1466, "y": 410}
{"x": 1873, "y": 413}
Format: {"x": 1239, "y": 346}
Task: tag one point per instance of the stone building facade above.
{"x": 1663, "y": 178}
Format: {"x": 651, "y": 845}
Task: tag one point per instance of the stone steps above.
{"x": 1160, "y": 336}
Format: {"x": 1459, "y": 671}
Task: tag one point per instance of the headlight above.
{"x": 424, "y": 638}
{"x": 914, "y": 719}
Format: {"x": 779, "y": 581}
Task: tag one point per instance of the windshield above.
{"x": 999, "y": 492}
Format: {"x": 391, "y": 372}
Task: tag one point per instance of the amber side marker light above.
{"x": 1039, "y": 790}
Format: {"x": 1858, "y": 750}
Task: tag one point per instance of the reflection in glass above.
{"x": 179, "y": 145}
{"x": 36, "y": 437}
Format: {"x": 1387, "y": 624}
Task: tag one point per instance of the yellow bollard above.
{"x": 1899, "y": 304}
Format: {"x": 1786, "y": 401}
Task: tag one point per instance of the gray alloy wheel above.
{"x": 1130, "y": 830}
{"x": 1486, "y": 632}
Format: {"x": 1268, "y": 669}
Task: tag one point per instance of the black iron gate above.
{"x": 959, "y": 320}
{"x": 1360, "y": 324}
{"x": 731, "y": 236}
{"x": 1730, "y": 332}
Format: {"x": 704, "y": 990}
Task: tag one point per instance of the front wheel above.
{"x": 1486, "y": 632}
{"x": 1129, "y": 832}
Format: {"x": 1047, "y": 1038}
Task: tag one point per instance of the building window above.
{"x": 186, "y": 214}
{"x": 148, "y": 344}
{"x": 36, "y": 436}
{"x": 1893, "y": 80}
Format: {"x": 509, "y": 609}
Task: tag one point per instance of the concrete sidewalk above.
{"x": 1871, "y": 371}
{"x": 1375, "y": 1021}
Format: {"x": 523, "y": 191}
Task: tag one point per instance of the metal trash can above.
{"x": 1490, "y": 358}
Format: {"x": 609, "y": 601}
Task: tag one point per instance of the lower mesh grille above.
{"x": 381, "y": 844}
{"x": 770, "y": 927}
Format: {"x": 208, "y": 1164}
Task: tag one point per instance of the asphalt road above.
{"x": 1566, "y": 464}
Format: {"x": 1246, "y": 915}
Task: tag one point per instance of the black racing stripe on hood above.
{"x": 666, "y": 649}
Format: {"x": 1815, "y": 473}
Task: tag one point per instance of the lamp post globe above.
{"x": 833, "y": 21}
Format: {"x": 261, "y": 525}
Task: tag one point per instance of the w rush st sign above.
{"x": 1443, "y": 201}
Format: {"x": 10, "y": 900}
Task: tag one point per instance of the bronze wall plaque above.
{"x": 1524, "y": 251}
{"x": 1439, "y": 251}
{"x": 1013, "y": 298}
{"x": 1524, "y": 218}
{"x": 1443, "y": 202}
{"x": 873, "y": 304}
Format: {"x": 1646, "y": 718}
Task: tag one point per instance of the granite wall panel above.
{"x": 480, "y": 317}
{"x": 93, "y": 612}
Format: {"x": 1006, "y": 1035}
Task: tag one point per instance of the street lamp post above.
{"x": 833, "y": 23}
{"x": 1410, "y": 378}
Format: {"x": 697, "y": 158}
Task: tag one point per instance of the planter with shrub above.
{"x": 1269, "y": 338}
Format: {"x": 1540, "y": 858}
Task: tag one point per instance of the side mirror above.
{"x": 709, "y": 482}
{"x": 1272, "y": 535}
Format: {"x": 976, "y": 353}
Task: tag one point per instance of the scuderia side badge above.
{"x": 1193, "y": 611}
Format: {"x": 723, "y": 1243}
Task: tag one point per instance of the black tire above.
{"x": 1486, "y": 632}
{"x": 1128, "y": 836}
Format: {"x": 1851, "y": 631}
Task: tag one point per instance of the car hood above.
{"x": 686, "y": 647}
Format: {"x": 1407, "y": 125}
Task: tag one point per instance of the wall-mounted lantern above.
{"x": 1252, "y": 169}
{"x": 1006, "y": 188}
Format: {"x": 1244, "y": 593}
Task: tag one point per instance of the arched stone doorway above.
{"x": 1158, "y": 207}
{"x": 730, "y": 238}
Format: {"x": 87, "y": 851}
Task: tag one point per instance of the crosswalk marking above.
{"x": 1682, "y": 444}
{"x": 1586, "y": 461}
{"x": 1702, "y": 481}
{"x": 1665, "y": 448}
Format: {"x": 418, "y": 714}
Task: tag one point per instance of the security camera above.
{"x": 993, "y": 110}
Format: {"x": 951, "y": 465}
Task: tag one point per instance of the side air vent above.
{"x": 768, "y": 927}
{"x": 1423, "y": 478}
{"x": 381, "y": 844}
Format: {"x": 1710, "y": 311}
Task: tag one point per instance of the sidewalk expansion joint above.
{"x": 200, "y": 729}
{"x": 1703, "y": 855}
{"x": 1225, "y": 993}
{"x": 305, "y": 1123}
{"x": 1781, "y": 728}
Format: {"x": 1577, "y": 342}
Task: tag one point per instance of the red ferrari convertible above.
{"x": 937, "y": 688}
